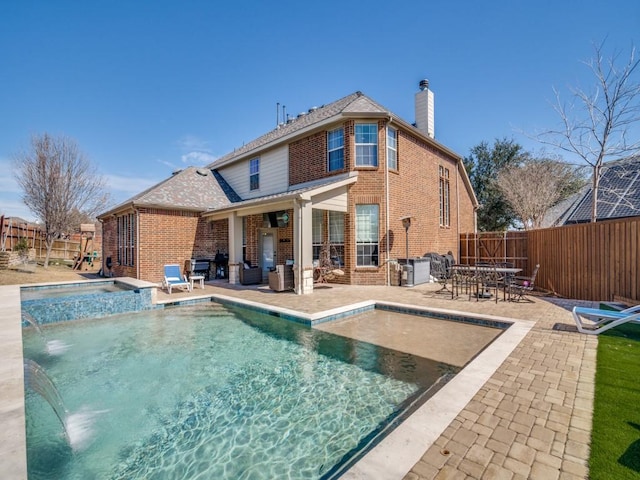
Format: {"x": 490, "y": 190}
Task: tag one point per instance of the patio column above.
{"x": 302, "y": 248}
{"x": 235, "y": 248}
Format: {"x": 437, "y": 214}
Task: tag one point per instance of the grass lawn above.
{"x": 615, "y": 448}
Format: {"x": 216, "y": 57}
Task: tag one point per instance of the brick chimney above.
{"x": 424, "y": 109}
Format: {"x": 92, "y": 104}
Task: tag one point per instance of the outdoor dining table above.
{"x": 479, "y": 273}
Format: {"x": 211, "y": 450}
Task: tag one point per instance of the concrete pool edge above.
{"x": 13, "y": 447}
{"x": 395, "y": 455}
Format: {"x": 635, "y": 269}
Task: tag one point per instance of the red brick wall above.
{"x": 166, "y": 236}
{"x": 308, "y": 156}
{"x": 110, "y": 244}
{"x": 413, "y": 190}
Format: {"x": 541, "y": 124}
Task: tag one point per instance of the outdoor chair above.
{"x": 174, "y": 278}
{"x": 603, "y": 320}
{"x": 519, "y": 287}
{"x": 463, "y": 280}
{"x": 493, "y": 281}
{"x": 250, "y": 275}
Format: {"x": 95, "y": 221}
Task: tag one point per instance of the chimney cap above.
{"x": 424, "y": 84}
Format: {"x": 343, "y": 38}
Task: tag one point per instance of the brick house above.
{"x": 334, "y": 182}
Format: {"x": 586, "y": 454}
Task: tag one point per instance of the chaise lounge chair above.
{"x": 173, "y": 278}
{"x": 603, "y": 320}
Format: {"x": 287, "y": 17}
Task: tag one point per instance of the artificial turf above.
{"x": 615, "y": 444}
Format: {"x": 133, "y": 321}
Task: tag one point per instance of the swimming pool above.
{"x": 53, "y": 303}
{"x": 215, "y": 392}
{"x": 73, "y": 289}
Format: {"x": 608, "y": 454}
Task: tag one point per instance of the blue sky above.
{"x": 147, "y": 87}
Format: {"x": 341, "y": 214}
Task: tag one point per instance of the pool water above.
{"x": 213, "y": 392}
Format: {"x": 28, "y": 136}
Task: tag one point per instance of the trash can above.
{"x": 406, "y": 280}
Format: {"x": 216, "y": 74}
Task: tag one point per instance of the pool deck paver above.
{"x": 530, "y": 420}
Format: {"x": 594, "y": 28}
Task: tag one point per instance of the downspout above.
{"x": 458, "y": 211}
{"x": 386, "y": 188}
{"x": 137, "y": 244}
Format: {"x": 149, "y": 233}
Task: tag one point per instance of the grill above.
{"x": 197, "y": 266}
{"x": 222, "y": 265}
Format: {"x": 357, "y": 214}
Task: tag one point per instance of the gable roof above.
{"x": 192, "y": 188}
{"x": 353, "y": 105}
{"x": 314, "y": 116}
{"x": 204, "y": 189}
{"x": 618, "y": 193}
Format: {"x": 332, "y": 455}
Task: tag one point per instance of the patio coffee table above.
{"x": 194, "y": 278}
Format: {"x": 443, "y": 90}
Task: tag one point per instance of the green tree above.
{"x": 483, "y": 166}
{"x": 58, "y": 183}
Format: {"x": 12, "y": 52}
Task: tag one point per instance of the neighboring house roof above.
{"x": 192, "y": 188}
{"x": 560, "y": 213}
{"x": 618, "y": 194}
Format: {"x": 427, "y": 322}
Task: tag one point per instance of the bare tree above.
{"x": 58, "y": 182}
{"x": 534, "y": 186}
{"x": 595, "y": 124}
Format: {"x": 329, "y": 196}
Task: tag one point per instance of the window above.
{"x": 254, "y": 174}
{"x": 445, "y": 205}
{"x": 317, "y": 220}
{"x": 366, "y": 145}
{"x": 366, "y": 235}
{"x": 126, "y": 239}
{"x": 335, "y": 149}
{"x": 336, "y": 237}
{"x": 392, "y": 148}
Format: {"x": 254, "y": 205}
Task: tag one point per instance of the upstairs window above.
{"x": 366, "y": 145}
{"x": 335, "y": 150}
{"x": 367, "y": 235}
{"x": 392, "y": 148}
{"x": 445, "y": 206}
{"x": 254, "y": 174}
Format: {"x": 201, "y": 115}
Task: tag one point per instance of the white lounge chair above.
{"x": 173, "y": 278}
{"x": 603, "y": 320}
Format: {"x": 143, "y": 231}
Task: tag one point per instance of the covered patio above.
{"x": 267, "y": 240}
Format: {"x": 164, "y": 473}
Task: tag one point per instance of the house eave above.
{"x": 280, "y": 202}
{"x": 135, "y": 206}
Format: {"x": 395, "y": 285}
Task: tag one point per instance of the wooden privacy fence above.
{"x": 591, "y": 261}
{"x": 495, "y": 247}
{"x": 12, "y": 232}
